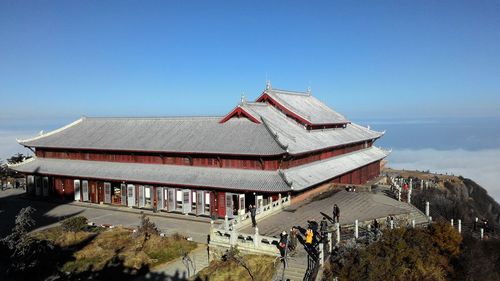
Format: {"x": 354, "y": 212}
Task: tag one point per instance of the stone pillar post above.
{"x": 212, "y": 228}
{"x": 421, "y": 184}
{"x": 226, "y": 223}
{"x": 321, "y": 254}
{"x": 279, "y": 199}
{"x": 451, "y": 222}
{"x": 482, "y": 233}
{"x": 256, "y": 238}
{"x": 330, "y": 242}
{"x": 392, "y": 224}
{"x": 413, "y": 223}
{"x": 337, "y": 230}
{"x": 234, "y": 237}
{"x": 427, "y": 208}
{"x": 356, "y": 229}
{"x": 409, "y": 195}
{"x": 459, "y": 226}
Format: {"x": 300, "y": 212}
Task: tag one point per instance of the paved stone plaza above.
{"x": 49, "y": 214}
{"x": 362, "y": 206}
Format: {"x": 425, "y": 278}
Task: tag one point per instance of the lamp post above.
{"x": 255, "y": 202}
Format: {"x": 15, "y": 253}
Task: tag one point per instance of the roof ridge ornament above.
{"x": 243, "y": 99}
{"x": 268, "y": 85}
{"x": 309, "y": 91}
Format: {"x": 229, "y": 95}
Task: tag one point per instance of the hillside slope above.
{"x": 451, "y": 197}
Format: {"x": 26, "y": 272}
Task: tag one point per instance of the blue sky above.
{"x": 370, "y": 60}
{"x": 367, "y": 59}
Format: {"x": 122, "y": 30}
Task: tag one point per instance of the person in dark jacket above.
{"x": 283, "y": 244}
{"x": 293, "y": 238}
{"x": 253, "y": 212}
{"x": 323, "y": 228}
{"x": 336, "y": 213}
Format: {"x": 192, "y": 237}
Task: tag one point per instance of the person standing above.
{"x": 293, "y": 238}
{"x": 323, "y": 229}
{"x": 253, "y": 211}
{"x": 309, "y": 237}
{"x": 283, "y": 244}
{"x": 336, "y": 213}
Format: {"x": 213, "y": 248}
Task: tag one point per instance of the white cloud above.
{"x": 9, "y": 145}
{"x": 482, "y": 166}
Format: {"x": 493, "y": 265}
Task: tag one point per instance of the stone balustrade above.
{"x": 243, "y": 220}
{"x": 249, "y": 243}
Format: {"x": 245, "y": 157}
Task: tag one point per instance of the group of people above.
{"x": 314, "y": 233}
{"x": 288, "y": 243}
{"x": 6, "y": 185}
{"x": 312, "y": 230}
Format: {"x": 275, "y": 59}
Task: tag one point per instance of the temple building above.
{"x": 284, "y": 143}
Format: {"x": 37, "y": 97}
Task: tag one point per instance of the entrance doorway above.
{"x": 130, "y": 195}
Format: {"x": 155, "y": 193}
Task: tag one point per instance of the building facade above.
{"x": 284, "y": 143}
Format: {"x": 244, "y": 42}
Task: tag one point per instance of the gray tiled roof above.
{"x": 206, "y": 135}
{"x": 234, "y": 179}
{"x": 317, "y": 172}
{"x": 299, "y": 140}
{"x": 307, "y": 106}
{"x": 300, "y": 177}
{"x": 186, "y": 134}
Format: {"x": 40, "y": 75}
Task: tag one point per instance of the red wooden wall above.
{"x": 239, "y": 162}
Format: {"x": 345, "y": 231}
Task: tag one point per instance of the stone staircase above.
{"x": 176, "y": 270}
{"x": 297, "y": 266}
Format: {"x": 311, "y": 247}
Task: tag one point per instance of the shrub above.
{"x": 74, "y": 224}
{"x": 147, "y": 227}
{"x": 401, "y": 254}
{"x": 22, "y": 255}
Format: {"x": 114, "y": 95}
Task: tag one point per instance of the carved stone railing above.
{"x": 243, "y": 220}
{"x": 249, "y": 243}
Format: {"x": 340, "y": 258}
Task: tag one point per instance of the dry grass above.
{"x": 120, "y": 244}
{"x": 261, "y": 267}
{"x": 61, "y": 238}
{"x": 115, "y": 245}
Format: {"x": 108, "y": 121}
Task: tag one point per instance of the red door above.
{"x": 93, "y": 191}
{"x": 221, "y": 204}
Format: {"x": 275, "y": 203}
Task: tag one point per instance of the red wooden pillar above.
{"x": 213, "y": 204}
{"x": 154, "y": 197}
{"x": 69, "y": 189}
{"x": 59, "y": 186}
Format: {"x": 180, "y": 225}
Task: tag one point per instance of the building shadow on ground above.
{"x": 51, "y": 261}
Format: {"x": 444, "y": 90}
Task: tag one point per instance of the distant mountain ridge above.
{"x": 452, "y": 197}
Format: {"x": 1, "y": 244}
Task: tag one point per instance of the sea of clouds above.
{"x": 482, "y": 166}
{"x": 9, "y": 145}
